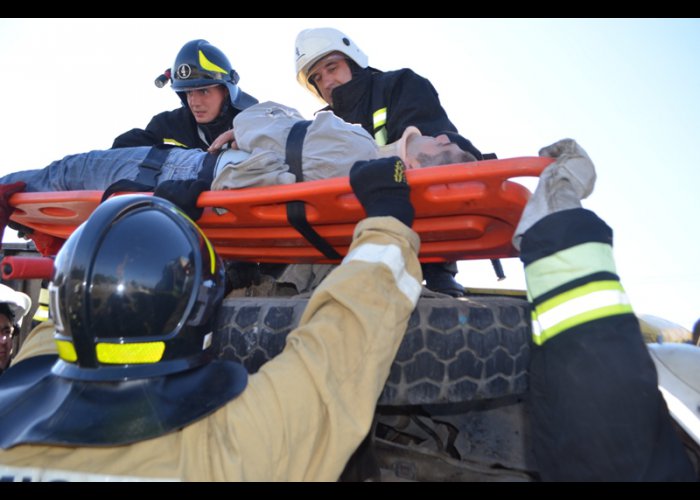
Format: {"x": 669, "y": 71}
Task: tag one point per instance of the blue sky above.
{"x": 626, "y": 90}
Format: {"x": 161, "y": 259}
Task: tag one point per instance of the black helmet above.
{"x": 133, "y": 296}
{"x": 200, "y": 64}
{"x": 135, "y": 292}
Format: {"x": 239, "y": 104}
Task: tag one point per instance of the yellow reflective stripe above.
{"x": 41, "y": 314}
{"x": 379, "y": 122}
{"x": 576, "y": 293}
{"x": 379, "y": 118}
{"x": 212, "y": 254}
{"x": 208, "y": 65}
{"x": 210, "y": 248}
{"x": 66, "y": 351}
{"x": 168, "y": 140}
{"x": 548, "y": 273}
{"x": 44, "y": 296}
{"x": 575, "y": 307}
{"x": 389, "y": 255}
{"x": 381, "y": 136}
{"x": 135, "y": 353}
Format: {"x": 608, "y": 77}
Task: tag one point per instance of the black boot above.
{"x": 440, "y": 277}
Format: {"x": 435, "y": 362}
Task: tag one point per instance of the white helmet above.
{"x": 316, "y": 43}
{"x": 19, "y": 302}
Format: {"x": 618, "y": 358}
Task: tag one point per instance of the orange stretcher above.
{"x": 463, "y": 211}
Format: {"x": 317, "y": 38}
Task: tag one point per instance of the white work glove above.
{"x": 572, "y": 164}
{"x": 562, "y": 185}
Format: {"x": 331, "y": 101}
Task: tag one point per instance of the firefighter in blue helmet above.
{"x": 207, "y": 84}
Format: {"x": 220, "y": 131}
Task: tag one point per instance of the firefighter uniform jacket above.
{"x": 178, "y": 128}
{"x": 386, "y": 103}
{"x": 597, "y": 413}
{"x": 303, "y": 413}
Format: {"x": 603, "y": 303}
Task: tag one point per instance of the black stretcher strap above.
{"x": 149, "y": 170}
{"x": 296, "y": 210}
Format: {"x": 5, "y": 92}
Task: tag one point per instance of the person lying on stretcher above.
{"x": 330, "y": 147}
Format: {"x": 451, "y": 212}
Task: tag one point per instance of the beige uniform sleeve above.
{"x": 38, "y": 342}
{"x": 305, "y": 412}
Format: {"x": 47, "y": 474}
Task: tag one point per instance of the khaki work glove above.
{"x": 562, "y": 185}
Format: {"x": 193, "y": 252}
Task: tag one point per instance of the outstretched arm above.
{"x": 307, "y": 410}
{"x": 597, "y": 413}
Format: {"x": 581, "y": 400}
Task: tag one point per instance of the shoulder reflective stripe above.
{"x": 391, "y": 256}
{"x": 380, "y": 137}
{"x": 208, "y": 65}
{"x": 379, "y": 122}
{"x": 379, "y": 118}
{"x": 35, "y": 474}
{"x": 567, "y": 265}
{"x": 66, "y": 351}
{"x": 575, "y": 307}
{"x": 173, "y": 142}
{"x": 121, "y": 354}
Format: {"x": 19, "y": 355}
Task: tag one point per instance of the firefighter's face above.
{"x": 330, "y": 72}
{"x": 6, "y": 332}
{"x": 206, "y": 103}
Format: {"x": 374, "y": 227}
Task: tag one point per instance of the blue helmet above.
{"x": 199, "y": 64}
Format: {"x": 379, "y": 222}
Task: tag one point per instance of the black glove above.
{"x": 381, "y": 187}
{"x": 125, "y": 186}
{"x": 184, "y": 194}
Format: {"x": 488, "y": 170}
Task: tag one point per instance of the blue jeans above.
{"x": 98, "y": 169}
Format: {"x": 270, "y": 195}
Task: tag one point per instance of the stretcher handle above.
{"x": 15, "y": 267}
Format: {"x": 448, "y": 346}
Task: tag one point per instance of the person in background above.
{"x": 14, "y": 306}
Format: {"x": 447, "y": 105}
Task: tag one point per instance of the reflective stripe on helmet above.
{"x": 208, "y": 65}
{"x": 134, "y": 353}
{"x": 210, "y": 247}
{"x": 391, "y": 256}
{"x": 595, "y": 300}
{"x": 66, "y": 350}
{"x": 116, "y": 354}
